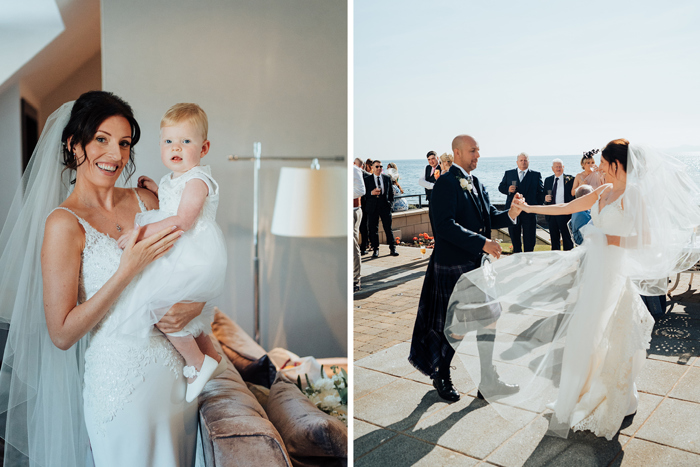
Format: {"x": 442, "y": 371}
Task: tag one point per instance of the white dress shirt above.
{"x": 358, "y": 183}
{"x": 522, "y": 173}
{"x": 378, "y": 182}
{"x": 560, "y": 189}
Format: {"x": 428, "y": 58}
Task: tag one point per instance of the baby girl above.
{"x": 195, "y": 268}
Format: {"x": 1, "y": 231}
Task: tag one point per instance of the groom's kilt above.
{"x": 429, "y": 345}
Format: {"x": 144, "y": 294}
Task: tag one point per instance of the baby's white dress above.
{"x": 192, "y": 271}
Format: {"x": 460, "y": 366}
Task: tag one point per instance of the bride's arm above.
{"x": 60, "y": 265}
{"x": 579, "y": 204}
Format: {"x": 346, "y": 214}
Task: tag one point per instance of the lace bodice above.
{"x": 170, "y": 192}
{"x": 612, "y": 219}
{"x": 114, "y": 363}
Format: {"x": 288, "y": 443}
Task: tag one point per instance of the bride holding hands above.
{"x": 573, "y": 330}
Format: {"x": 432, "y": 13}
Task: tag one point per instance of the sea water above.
{"x": 490, "y": 171}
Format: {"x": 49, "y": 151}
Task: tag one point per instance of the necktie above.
{"x": 554, "y": 191}
{"x": 432, "y": 171}
{"x": 521, "y": 174}
{"x": 379, "y": 184}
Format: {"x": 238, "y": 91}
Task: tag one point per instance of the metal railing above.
{"x": 420, "y": 196}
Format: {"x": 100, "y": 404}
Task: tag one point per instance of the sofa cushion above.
{"x": 235, "y": 428}
{"x": 247, "y": 356}
{"x": 312, "y": 437}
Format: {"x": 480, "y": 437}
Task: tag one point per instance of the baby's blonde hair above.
{"x": 184, "y": 112}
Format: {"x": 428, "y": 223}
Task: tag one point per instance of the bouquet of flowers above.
{"x": 328, "y": 394}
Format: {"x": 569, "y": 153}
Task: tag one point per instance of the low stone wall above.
{"x": 408, "y": 224}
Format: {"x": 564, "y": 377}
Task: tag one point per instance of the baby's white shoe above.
{"x": 209, "y": 366}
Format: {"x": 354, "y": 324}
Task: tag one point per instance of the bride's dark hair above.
{"x": 88, "y": 113}
{"x": 616, "y": 151}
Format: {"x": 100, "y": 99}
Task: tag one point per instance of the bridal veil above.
{"x": 40, "y": 385}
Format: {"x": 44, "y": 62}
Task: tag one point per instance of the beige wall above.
{"x": 88, "y": 77}
{"x": 268, "y": 71}
{"x": 10, "y": 147}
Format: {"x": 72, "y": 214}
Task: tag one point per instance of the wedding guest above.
{"x": 379, "y": 197}
{"x": 428, "y": 179}
{"x": 558, "y": 189}
{"x": 364, "y": 231}
{"x": 579, "y": 219}
{"x": 399, "y": 204}
{"x": 463, "y": 219}
{"x": 590, "y": 175}
{"x": 527, "y": 182}
{"x": 446, "y": 161}
{"x": 358, "y": 163}
{"x": 358, "y": 191}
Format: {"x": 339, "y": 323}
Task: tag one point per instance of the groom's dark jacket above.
{"x": 462, "y": 221}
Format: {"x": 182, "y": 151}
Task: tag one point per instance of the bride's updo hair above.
{"x": 616, "y": 151}
{"x": 88, "y": 113}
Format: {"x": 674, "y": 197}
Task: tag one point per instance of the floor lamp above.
{"x": 308, "y": 204}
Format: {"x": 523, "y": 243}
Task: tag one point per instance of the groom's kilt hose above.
{"x": 429, "y": 345}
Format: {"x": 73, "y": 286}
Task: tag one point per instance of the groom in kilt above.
{"x": 462, "y": 217}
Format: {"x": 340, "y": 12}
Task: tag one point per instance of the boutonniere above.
{"x": 465, "y": 184}
{"x": 568, "y": 178}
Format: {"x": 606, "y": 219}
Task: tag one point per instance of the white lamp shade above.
{"x": 311, "y": 203}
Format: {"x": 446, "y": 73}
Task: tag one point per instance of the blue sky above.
{"x": 547, "y": 78}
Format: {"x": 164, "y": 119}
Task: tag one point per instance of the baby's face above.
{"x": 182, "y": 147}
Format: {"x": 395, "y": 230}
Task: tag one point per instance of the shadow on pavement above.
{"x": 677, "y": 335}
{"x": 431, "y": 434}
{"x": 376, "y": 281}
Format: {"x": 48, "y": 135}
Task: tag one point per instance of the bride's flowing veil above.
{"x": 664, "y": 204}
{"x": 539, "y": 304}
{"x": 40, "y": 385}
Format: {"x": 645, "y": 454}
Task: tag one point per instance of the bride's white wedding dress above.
{"x": 134, "y": 391}
{"x": 573, "y": 331}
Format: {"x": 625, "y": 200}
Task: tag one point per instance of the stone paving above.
{"x": 399, "y": 419}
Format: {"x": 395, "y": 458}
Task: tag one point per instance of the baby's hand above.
{"x": 148, "y": 184}
{"x": 124, "y": 239}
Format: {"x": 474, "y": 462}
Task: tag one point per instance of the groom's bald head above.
{"x": 466, "y": 152}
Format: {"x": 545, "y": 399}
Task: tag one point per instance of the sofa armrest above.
{"x": 244, "y": 441}
{"x": 235, "y": 428}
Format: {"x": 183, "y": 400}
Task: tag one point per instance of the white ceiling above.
{"x": 42, "y": 42}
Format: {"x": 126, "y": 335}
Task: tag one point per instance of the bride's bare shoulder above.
{"x": 63, "y": 231}
{"x": 62, "y": 220}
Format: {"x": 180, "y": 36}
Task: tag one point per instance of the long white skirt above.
{"x": 135, "y": 408}
{"x": 572, "y": 332}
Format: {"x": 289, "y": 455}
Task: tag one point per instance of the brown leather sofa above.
{"x": 236, "y": 429}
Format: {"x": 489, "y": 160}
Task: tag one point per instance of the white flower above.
{"x": 331, "y": 401}
{"x": 465, "y": 184}
{"x": 324, "y": 384}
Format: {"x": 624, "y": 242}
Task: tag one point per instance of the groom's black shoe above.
{"x": 492, "y": 385}
{"x": 445, "y": 389}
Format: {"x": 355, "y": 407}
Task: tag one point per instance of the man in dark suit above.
{"x": 364, "y": 231}
{"x": 528, "y": 183}
{"x": 379, "y": 196}
{"x": 428, "y": 179}
{"x": 463, "y": 217}
{"x": 558, "y": 190}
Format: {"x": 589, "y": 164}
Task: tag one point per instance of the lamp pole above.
{"x": 257, "y": 158}
{"x": 257, "y": 150}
